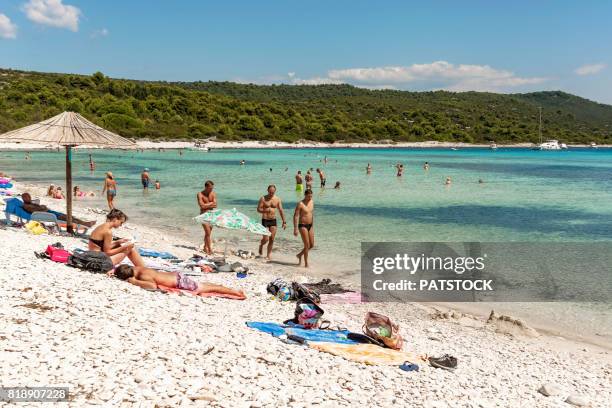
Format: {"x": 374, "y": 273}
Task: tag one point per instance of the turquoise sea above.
{"x": 526, "y": 195}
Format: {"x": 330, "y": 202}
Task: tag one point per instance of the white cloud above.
{"x": 53, "y": 13}
{"x": 315, "y": 81}
{"x": 589, "y": 69}
{"x": 290, "y": 74}
{"x": 99, "y": 33}
{"x": 7, "y": 28}
{"x": 438, "y": 74}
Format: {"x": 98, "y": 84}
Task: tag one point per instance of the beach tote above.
{"x": 302, "y": 291}
{"x": 307, "y": 313}
{"x": 57, "y": 254}
{"x": 93, "y": 261}
{"x": 381, "y": 328}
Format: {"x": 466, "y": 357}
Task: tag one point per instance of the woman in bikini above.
{"x": 110, "y": 187}
{"x": 101, "y": 239}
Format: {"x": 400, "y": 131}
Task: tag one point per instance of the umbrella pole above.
{"x": 69, "y": 189}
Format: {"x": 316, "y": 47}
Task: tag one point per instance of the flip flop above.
{"x": 407, "y": 366}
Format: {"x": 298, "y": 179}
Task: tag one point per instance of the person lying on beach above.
{"x": 150, "y": 279}
{"x": 31, "y": 207}
{"x": 51, "y": 191}
{"x": 101, "y": 239}
{"x": 79, "y": 193}
{"x": 207, "y": 200}
{"x": 302, "y": 221}
{"x": 267, "y": 208}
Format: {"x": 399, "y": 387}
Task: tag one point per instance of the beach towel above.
{"x": 6, "y": 185}
{"x": 4, "y": 180}
{"x": 209, "y": 294}
{"x": 368, "y": 353}
{"x": 155, "y": 254}
{"x": 342, "y": 298}
{"x": 316, "y": 335}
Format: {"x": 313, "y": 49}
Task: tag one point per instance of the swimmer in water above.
{"x": 369, "y": 169}
{"x": 448, "y": 181}
{"x": 400, "y": 170}
{"x": 426, "y": 166}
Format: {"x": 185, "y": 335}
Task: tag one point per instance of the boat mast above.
{"x": 540, "y": 125}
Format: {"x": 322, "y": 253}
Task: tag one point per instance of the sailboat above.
{"x": 549, "y": 144}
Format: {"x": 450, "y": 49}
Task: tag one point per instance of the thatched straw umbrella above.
{"x": 67, "y": 129}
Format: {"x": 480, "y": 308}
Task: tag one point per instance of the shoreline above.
{"x": 172, "y": 350}
{"x": 282, "y": 268}
{"x": 263, "y": 144}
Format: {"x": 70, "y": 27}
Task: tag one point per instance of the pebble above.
{"x": 550, "y": 390}
{"x": 577, "y": 400}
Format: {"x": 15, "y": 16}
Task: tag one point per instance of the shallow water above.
{"x": 526, "y": 195}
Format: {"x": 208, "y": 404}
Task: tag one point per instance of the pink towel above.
{"x": 208, "y": 294}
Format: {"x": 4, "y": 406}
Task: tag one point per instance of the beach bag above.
{"x": 302, "y": 291}
{"x": 93, "y": 261}
{"x": 381, "y": 328}
{"x": 307, "y": 313}
{"x": 57, "y": 254}
{"x": 281, "y": 289}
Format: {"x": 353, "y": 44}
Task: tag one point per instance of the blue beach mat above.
{"x": 155, "y": 254}
{"x": 328, "y": 336}
{"x": 6, "y": 185}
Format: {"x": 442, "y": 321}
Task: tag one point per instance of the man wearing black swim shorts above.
{"x": 302, "y": 222}
{"x": 267, "y": 208}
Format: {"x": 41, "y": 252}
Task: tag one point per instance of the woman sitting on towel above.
{"x": 101, "y": 239}
{"x": 150, "y": 278}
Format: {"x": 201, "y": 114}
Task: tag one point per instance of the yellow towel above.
{"x": 368, "y": 353}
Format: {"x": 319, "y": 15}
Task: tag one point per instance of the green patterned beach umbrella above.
{"x": 231, "y": 219}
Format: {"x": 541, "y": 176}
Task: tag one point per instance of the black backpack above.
{"x": 92, "y": 261}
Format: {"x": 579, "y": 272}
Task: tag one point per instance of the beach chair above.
{"x": 62, "y": 226}
{"x": 14, "y": 207}
{"x": 46, "y": 219}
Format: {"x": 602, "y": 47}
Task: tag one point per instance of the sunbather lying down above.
{"x": 150, "y": 278}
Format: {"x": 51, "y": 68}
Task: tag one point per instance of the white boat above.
{"x": 550, "y": 145}
{"x": 563, "y": 146}
{"x": 493, "y": 146}
{"x": 593, "y": 145}
{"x": 200, "y": 147}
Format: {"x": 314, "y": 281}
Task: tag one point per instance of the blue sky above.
{"x": 501, "y": 46}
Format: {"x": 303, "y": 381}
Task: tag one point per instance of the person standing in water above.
{"x": 92, "y": 164}
{"x": 110, "y": 187}
{"x": 426, "y": 166}
{"x": 369, "y": 169}
{"x": 299, "y": 182}
{"x": 309, "y": 180}
{"x": 448, "y": 181}
{"x": 400, "y": 170}
{"x": 267, "y": 208}
{"x": 207, "y": 200}
{"x": 322, "y": 177}
{"x": 145, "y": 179}
{"x": 303, "y": 219}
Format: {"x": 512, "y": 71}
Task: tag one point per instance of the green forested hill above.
{"x": 161, "y": 110}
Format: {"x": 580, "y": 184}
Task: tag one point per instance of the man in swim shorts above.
{"x": 207, "y": 200}
{"x": 31, "y": 207}
{"x": 145, "y": 179}
{"x": 150, "y": 279}
{"x": 299, "y": 181}
{"x": 267, "y": 208}
{"x": 302, "y": 222}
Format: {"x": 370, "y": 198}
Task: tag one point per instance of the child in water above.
{"x": 157, "y": 185}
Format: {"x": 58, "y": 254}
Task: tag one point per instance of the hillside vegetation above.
{"x": 230, "y": 111}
